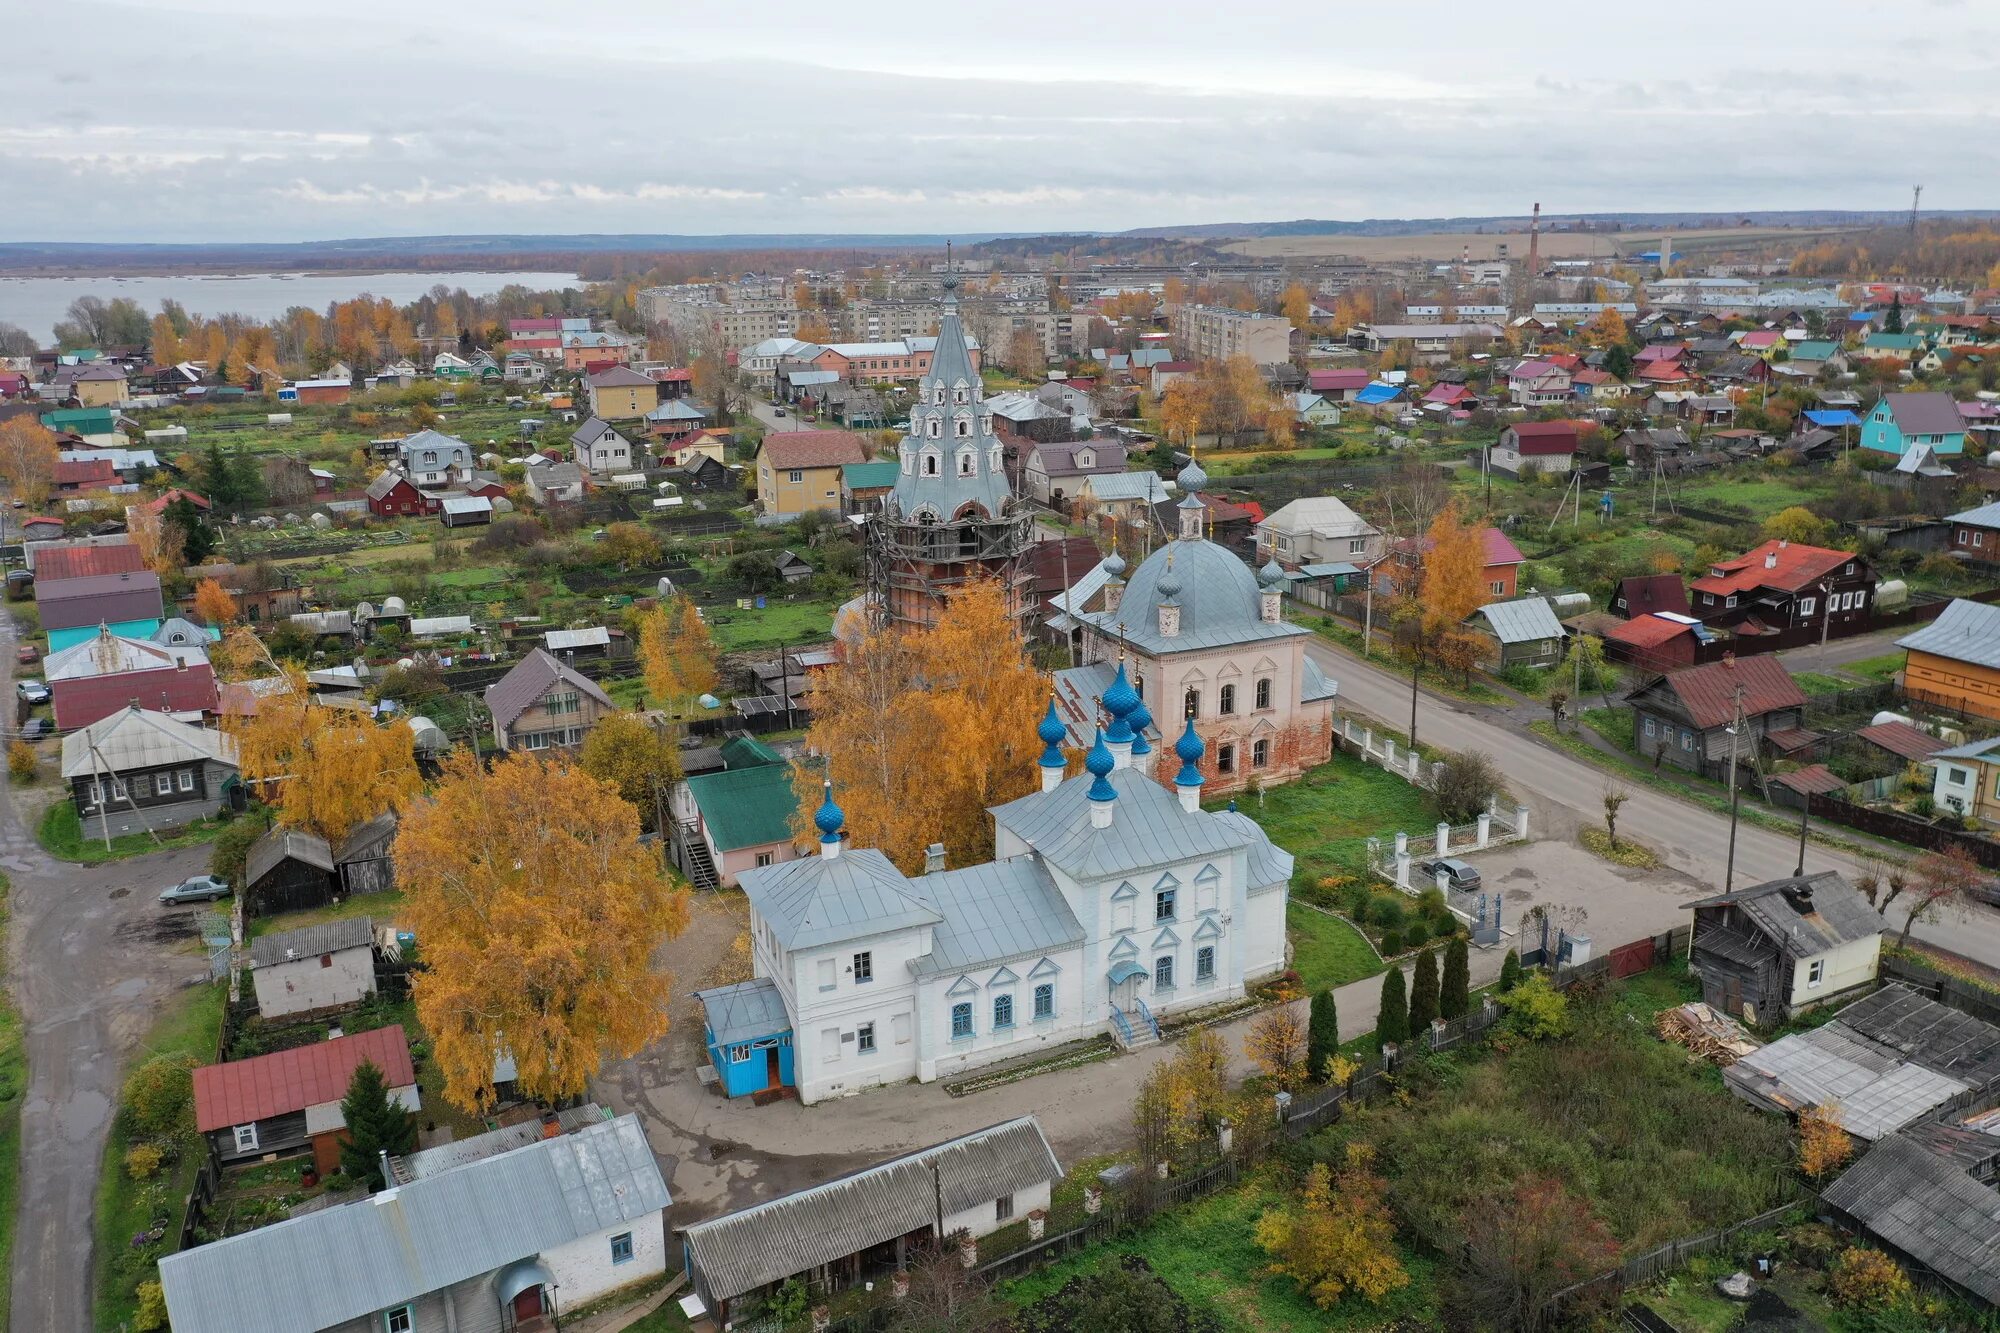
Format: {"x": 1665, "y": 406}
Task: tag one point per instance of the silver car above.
{"x": 200, "y": 889}
{"x": 1459, "y": 873}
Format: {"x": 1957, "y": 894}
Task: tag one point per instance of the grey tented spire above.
{"x": 951, "y": 457}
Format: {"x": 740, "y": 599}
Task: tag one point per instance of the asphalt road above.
{"x": 1564, "y": 794}
{"x": 767, "y": 416}
{"x": 91, "y": 957}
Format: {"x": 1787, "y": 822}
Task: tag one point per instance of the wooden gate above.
{"x": 1627, "y": 959}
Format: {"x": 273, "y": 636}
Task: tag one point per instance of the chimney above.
{"x": 1729, "y": 661}
{"x": 934, "y": 858}
{"x": 1770, "y": 559}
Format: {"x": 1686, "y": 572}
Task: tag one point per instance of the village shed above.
{"x": 325, "y": 966}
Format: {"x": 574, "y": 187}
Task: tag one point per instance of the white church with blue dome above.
{"x": 1112, "y": 901}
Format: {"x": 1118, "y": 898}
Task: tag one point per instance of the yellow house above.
{"x": 696, "y": 444}
{"x": 622, "y": 394}
{"x": 1954, "y": 662}
{"x": 99, "y": 386}
{"x": 799, "y": 470}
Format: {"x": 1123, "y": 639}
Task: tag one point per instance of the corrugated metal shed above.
{"x": 1524, "y": 620}
{"x": 1927, "y": 1208}
{"x": 1874, "y": 1092}
{"x": 745, "y": 1011}
{"x": 993, "y": 912}
{"x": 1934, "y": 1035}
{"x": 355, "y": 932}
{"x": 562, "y": 640}
{"x": 770, "y": 1242}
{"x": 313, "y": 1272}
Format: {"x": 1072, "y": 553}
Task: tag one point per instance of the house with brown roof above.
{"x": 1645, "y": 594}
{"x": 622, "y": 394}
{"x": 76, "y": 562}
{"x": 1685, "y": 717}
{"x": 290, "y": 1100}
{"x": 543, "y": 704}
{"x": 1536, "y": 446}
{"x": 85, "y": 474}
{"x": 1785, "y": 585}
{"x": 799, "y": 470}
{"x": 1052, "y": 473}
{"x": 99, "y": 384}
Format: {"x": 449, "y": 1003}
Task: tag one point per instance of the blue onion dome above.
{"x": 1119, "y": 701}
{"x": 1192, "y": 478}
{"x": 1189, "y": 749}
{"x": 1114, "y": 564}
{"x": 1139, "y": 719}
{"x": 1272, "y": 572}
{"x": 829, "y": 817}
{"x": 1099, "y": 763}
{"x": 1051, "y": 733}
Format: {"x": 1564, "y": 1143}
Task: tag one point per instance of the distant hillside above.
{"x": 1807, "y": 217}
{"x": 1083, "y": 247}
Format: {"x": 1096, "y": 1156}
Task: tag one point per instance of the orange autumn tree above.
{"x": 539, "y": 910}
{"x": 1338, "y": 1237}
{"x": 924, "y": 728}
{"x": 1823, "y": 1145}
{"x": 676, "y": 654}
{"x": 28, "y": 458}
{"x": 1435, "y": 590}
{"x": 213, "y": 603}
{"x": 326, "y": 769}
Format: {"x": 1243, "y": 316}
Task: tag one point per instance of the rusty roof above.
{"x": 243, "y": 1091}
{"x": 1708, "y": 693}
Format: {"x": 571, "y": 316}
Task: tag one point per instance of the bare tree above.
{"x": 1615, "y": 797}
{"x": 945, "y": 1298}
{"x": 1941, "y": 881}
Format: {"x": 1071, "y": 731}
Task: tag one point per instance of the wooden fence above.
{"x": 200, "y": 1198}
{"x": 1664, "y": 1259}
{"x": 1946, "y": 989}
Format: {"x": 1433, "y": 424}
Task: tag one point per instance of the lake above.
{"x": 35, "y": 304}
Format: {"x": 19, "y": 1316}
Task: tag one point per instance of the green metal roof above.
{"x": 84, "y": 420}
{"x": 748, "y": 752}
{"x": 861, "y": 476}
{"x": 746, "y": 807}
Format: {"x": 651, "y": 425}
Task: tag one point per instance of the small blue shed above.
{"x": 749, "y": 1036}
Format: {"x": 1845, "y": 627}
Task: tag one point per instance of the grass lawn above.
{"x": 1385, "y": 655}
{"x": 472, "y": 578}
{"x": 1763, "y": 496}
{"x": 1614, "y": 724}
{"x": 13, "y": 1088}
{"x": 382, "y": 905}
{"x": 778, "y": 624}
{"x": 1207, "y": 1253}
{"x": 1818, "y": 682}
{"x": 1326, "y": 951}
{"x": 1877, "y": 668}
{"x": 62, "y": 835}
{"x": 190, "y": 1023}
{"x": 1326, "y": 817}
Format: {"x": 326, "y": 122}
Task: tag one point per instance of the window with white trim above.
{"x": 864, "y": 967}
{"x": 186, "y": 778}
{"x": 246, "y": 1138}
{"x": 795, "y": 476}
{"x": 1816, "y": 972}
{"x": 163, "y": 784}
{"x": 1805, "y": 605}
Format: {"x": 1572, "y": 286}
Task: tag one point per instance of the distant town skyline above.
{"x": 218, "y": 120}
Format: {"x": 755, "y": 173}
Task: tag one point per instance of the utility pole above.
{"x": 1735, "y": 793}
{"x": 1825, "y": 618}
{"x": 1805, "y": 816}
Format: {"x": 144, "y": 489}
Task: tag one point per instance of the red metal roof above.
{"x": 82, "y": 701}
{"x": 1323, "y": 381}
{"x": 1792, "y": 567}
{"x": 1709, "y": 692}
{"x": 1813, "y": 779}
{"x": 1664, "y": 372}
{"x": 1546, "y": 437}
{"x": 86, "y": 472}
{"x": 75, "y": 562}
{"x": 244, "y": 1091}
{"x": 1647, "y": 631}
{"x": 1900, "y": 738}
{"x": 159, "y": 503}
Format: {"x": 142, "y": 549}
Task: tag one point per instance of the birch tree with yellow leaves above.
{"x": 923, "y": 729}
{"x": 539, "y": 911}
{"x": 325, "y": 769}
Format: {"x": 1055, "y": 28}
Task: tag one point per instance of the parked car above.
{"x": 777, "y": 411}
{"x": 26, "y": 655}
{"x": 1460, "y": 874}
{"x": 37, "y": 728}
{"x": 34, "y": 691}
{"x": 200, "y": 889}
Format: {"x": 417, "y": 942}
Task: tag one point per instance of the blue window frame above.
{"x": 961, "y": 1020}
{"x": 1204, "y": 963}
{"x": 1045, "y": 1002}
{"x": 621, "y": 1248}
{"x": 1163, "y": 972}
{"x": 1003, "y": 1011}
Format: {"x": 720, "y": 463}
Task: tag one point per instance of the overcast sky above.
{"x": 215, "y": 120}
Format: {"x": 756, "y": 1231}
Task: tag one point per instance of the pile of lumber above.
{"x": 1709, "y": 1035}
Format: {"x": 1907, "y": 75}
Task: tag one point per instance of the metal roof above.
{"x": 560, "y": 640}
{"x": 1218, "y": 596}
{"x": 1805, "y": 915}
{"x": 427, "y": 626}
{"x": 1931, "y": 1034}
{"x": 994, "y": 912}
{"x": 746, "y": 1011}
{"x": 769, "y": 1242}
{"x": 353, "y": 1261}
{"x": 354, "y": 932}
{"x": 746, "y": 805}
{"x": 1108, "y": 487}
{"x": 1928, "y": 1208}
{"x": 1965, "y": 631}
{"x": 134, "y": 738}
{"x": 1522, "y": 621}
{"x": 1315, "y": 684}
{"x": 1324, "y": 515}
{"x": 285, "y": 844}
{"x": 99, "y": 598}
{"x": 1708, "y": 692}
{"x": 108, "y": 654}
{"x": 1148, "y": 828}
{"x": 508, "y": 697}
{"x": 1270, "y": 866}
{"x": 241, "y": 1092}
{"x": 1874, "y": 1093}
{"x": 827, "y": 899}
{"x": 467, "y": 504}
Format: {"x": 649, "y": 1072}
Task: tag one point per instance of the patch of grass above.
{"x": 1626, "y": 853}
{"x": 1207, "y": 1253}
{"x": 189, "y": 1023}
{"x": 472, "y": 578}
{"x": 62, "y": 835}
{"x": 1326, "y": 951}
{"x": 380, "y": 905}
{"x": 1614, "y": 724}
{"x": 1327, "y": 816}
{"x": 1877, "y": 668}
{"x": 13, "y": 1089}
{"x": 1818, "y": 682}
{"x": 778, "y": 624}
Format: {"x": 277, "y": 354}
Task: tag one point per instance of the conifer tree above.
{"x": 1393, "y": 1023}
{"x": 1322, "y": 1033}
{"x": 1454, "y": 996}
{"x": 1424, "y": 993}
{"x": 375, "y": 1124}
{"x": 1510, "y": 972}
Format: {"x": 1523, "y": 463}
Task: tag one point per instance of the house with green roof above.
{"x": 862, "y": 486}
{"x": 736, "y": 819}
{"x": 1891, "y": 346}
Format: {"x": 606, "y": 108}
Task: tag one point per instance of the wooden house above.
{"x": 1773, "y": 951}
{"x": 1685, "y": 717}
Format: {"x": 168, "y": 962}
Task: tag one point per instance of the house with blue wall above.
{"x": 749, "y": 1036}
{"x": 1902, "y": 421}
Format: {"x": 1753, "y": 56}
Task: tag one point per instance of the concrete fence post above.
{"x": 1225, "y": 1135}
{"x": 1443, "y": 837}
{"x": 1282, "y": 1104}
{"x": 1416, "y": 766}
{"x": 1437, "y": 1034}
{"x": 1402, "y": 844}
{"x": 1444, "y": 882}
{"x": 1402, "y": 870}
{"x": 1485, "y": 828}
{"x": 1388, "y": 751}
{"x": 1521, "y": 821}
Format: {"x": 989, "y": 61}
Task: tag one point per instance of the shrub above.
{"x": 21, "y": 762}
{"x": 1387, "y": 909}
{"x": 1469, "y": 780}
{"x": 1823, "y": 1145}
{"x": 152, "y": 1311}
{"x": 1536, "y": 1009}
{"x": 1392, "y": 943}
{"x": 1865, "y": 1279}
{"x": 1392, "y": 1022}
{"x": 1415, "y": 933}
{"x": 142, "y": 1161}
{"x": 160, "y": 1096}
{"x": 1354, "y": 897}
{"x": 1431, "y": 903}
{"x": 1510, "y": 971}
